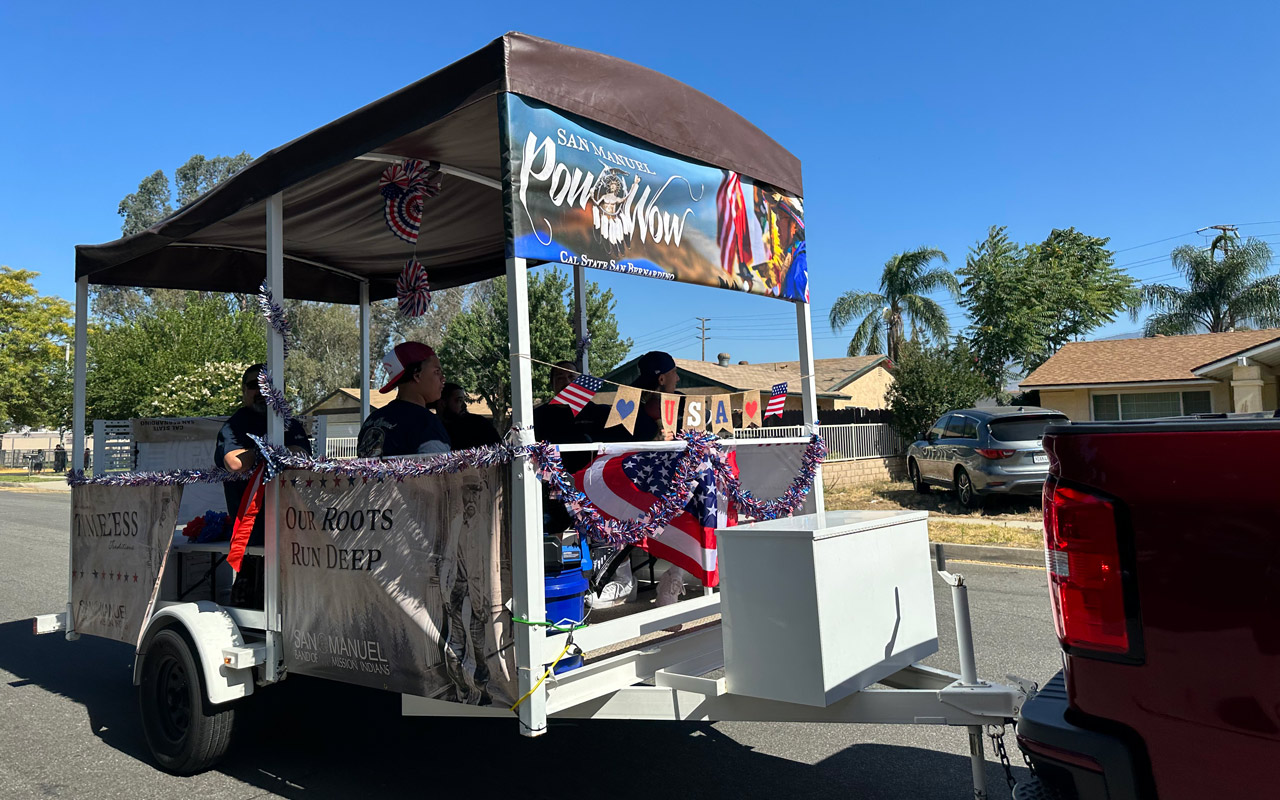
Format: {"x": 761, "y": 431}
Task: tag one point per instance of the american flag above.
{"x": 579, "y": 393}
{"x": 623, "y": 485}
{"x": 777, "y": 399}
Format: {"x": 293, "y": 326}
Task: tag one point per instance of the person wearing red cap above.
{"x": 404, "y": 427}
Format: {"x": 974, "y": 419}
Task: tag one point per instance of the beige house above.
{"x": 853, "y": 382}
{"x": 341, "y": 408}
{"x": 1163, "y": 376}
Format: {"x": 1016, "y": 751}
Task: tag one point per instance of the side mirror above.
{"x": 925, "y": 436}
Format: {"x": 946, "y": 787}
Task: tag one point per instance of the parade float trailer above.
{"x": 426, "y": 577}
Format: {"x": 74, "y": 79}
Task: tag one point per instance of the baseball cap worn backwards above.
{"x": 404, "y": 355}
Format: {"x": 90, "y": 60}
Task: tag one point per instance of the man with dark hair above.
{"x": 466, "y": 430}
{"x": 405, "y": 427}
{"x": 236, "y": 451}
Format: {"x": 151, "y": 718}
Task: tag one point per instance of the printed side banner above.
{"x": 119, "y": 538}
{"x": 584, "y": 194}
{"x": 399, "y": 585}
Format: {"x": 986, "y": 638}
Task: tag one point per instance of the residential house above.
{"x": 1163, "y": 376}
{"x": 342, "y": 410}
{"x": 853, "y": 382}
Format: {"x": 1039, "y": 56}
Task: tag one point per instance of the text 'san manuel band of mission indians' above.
{"x": 588, "y": 196}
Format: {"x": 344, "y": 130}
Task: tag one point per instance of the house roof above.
{"x": 1149, "y": 360}
{"x": 832, "y": 374}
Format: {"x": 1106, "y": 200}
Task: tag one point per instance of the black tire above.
{"x": 185, "y": 732}
{"x": 966, "y": 495}
{"x": 917, "y": 483}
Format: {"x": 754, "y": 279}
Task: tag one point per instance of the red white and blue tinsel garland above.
{"x": 274, "y": 398}
{"x": 77, "y": 477}
{"x": 413, "y": 289}
{"x": 789, "y": 501}
{"x": 587, "y": 519}
{"x": 275, "y": 316}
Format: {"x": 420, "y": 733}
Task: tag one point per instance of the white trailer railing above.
{"x": 342, "y": 447}
{"x": 844, "y": 442}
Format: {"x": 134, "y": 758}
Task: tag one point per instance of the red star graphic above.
{"x": 135, "y": 577}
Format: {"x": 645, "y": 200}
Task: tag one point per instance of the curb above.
{"x": 1019, "y": 556}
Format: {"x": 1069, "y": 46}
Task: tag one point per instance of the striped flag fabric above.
{"x": 623, "y": 485}
{"x": 777, "y": 399}
{"x": 577, "y": 394}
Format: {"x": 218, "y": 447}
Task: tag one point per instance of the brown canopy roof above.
{"x": 333, "y": 227}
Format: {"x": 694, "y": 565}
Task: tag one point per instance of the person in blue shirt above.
{"x": 405, "y": 427}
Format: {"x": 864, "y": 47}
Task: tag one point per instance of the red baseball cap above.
{"x": 405, "y": 354}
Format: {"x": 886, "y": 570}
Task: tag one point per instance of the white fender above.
{"x": 212, "y": 630}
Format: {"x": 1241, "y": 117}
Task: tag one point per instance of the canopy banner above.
{"x": 120, "y": 536}
{"x": 586, "y": 195}
{"x": 399, "y": 585}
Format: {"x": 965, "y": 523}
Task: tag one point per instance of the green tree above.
{"x": 1026, "y": 302}
{"x": 475, "y": 352}
{"x": 1222, "y": 293}
{"x": 33, "y": 337}
{"x": 150, "y": 204}
{"x": 904, "y": 282}
{"x": 929, "y": 381}
{"x": 208, "y": 389}
{"x": 131, "y": 363}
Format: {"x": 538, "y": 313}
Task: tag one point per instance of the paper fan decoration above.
{"x": 413, "y": 290}
{"x": 404, "y": 187}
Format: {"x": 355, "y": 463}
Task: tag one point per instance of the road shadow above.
{"x": 310, "y": 738}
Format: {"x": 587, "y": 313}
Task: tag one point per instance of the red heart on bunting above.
{"x": 751, "y": 408}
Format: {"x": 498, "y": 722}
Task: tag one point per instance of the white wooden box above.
{"x": 819, "y": 606}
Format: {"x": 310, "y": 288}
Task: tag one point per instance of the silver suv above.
{"x": 983, "y": 451}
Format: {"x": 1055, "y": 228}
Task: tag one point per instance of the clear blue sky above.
{"x": 917, "y": 123}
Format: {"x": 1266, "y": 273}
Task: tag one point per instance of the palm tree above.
{"x": 906, "y": 279}
{"x": 1222, "y": 294}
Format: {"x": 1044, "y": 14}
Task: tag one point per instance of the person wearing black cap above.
{"x": 405, "y": 427}
{"x": 658, "y": 376}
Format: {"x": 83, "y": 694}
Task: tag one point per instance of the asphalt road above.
{"x": 69, "y": 723}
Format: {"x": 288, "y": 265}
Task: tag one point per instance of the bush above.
{"x": 930, "y": 381}
{"x": 212, "y": 389}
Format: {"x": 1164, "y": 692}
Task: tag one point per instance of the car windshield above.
{"x": 1022, "y": 429}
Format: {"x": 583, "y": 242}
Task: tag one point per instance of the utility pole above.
{"x": 702, "y": 334}
{"x": 1226, "y": 234}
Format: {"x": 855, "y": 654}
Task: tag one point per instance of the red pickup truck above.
{"x": 1162, "y": 544}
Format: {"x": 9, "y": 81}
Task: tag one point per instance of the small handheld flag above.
{"x": 577, "y": 394}
{"x": 777, "y": 399}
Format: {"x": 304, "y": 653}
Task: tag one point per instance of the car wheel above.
{"x": 966, "y": 495}
{"x": 186, "y": 734}
{"x": 917, "y": 483}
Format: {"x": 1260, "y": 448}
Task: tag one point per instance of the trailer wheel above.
{"x": 185, "y": 732}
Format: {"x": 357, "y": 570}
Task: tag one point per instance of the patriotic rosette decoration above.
{"x": 413, "y": 290}
{"x": 403, "y": 188}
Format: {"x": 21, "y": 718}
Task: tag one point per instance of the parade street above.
{"x": 69, "y": 722}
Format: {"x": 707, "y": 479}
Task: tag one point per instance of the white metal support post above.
{"x": 580, "y": 312}
{"x": 809, "y": 389}
{"x": 275, "y": 434}
{"x": 78, "y": 414}
{"x": 364, "y": 351}
{"x": 526, "y": 511}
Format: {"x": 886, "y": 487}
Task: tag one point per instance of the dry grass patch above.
{"x": 1000, "y": 535}
{"x": 900, "y": 495}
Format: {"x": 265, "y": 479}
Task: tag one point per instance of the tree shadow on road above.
{"x": 310, "y": 738}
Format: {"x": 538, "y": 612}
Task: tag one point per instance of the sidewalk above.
{"x": 37, "y": 486}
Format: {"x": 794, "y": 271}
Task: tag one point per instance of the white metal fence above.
{"x": 342, "y": 447}
{"x": 844, "y": 442}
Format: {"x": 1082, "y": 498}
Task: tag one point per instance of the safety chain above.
{"x": 997, "y": 740}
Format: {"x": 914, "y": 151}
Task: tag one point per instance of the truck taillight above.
{"x": 1082, "y": 555}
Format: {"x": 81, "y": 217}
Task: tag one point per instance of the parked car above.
{"x": 983, "y": 451}
{"x": 1165, "y": 586}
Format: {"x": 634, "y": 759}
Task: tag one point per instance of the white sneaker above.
{"x": 670, "y": 586}
{"x": 620, "y": 589}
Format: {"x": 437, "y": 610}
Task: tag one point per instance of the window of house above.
{"x": 1150, "y": 405}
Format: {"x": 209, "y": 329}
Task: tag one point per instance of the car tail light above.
{"x": 1082, "y": 555}
{"x": 996, "y": 454}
